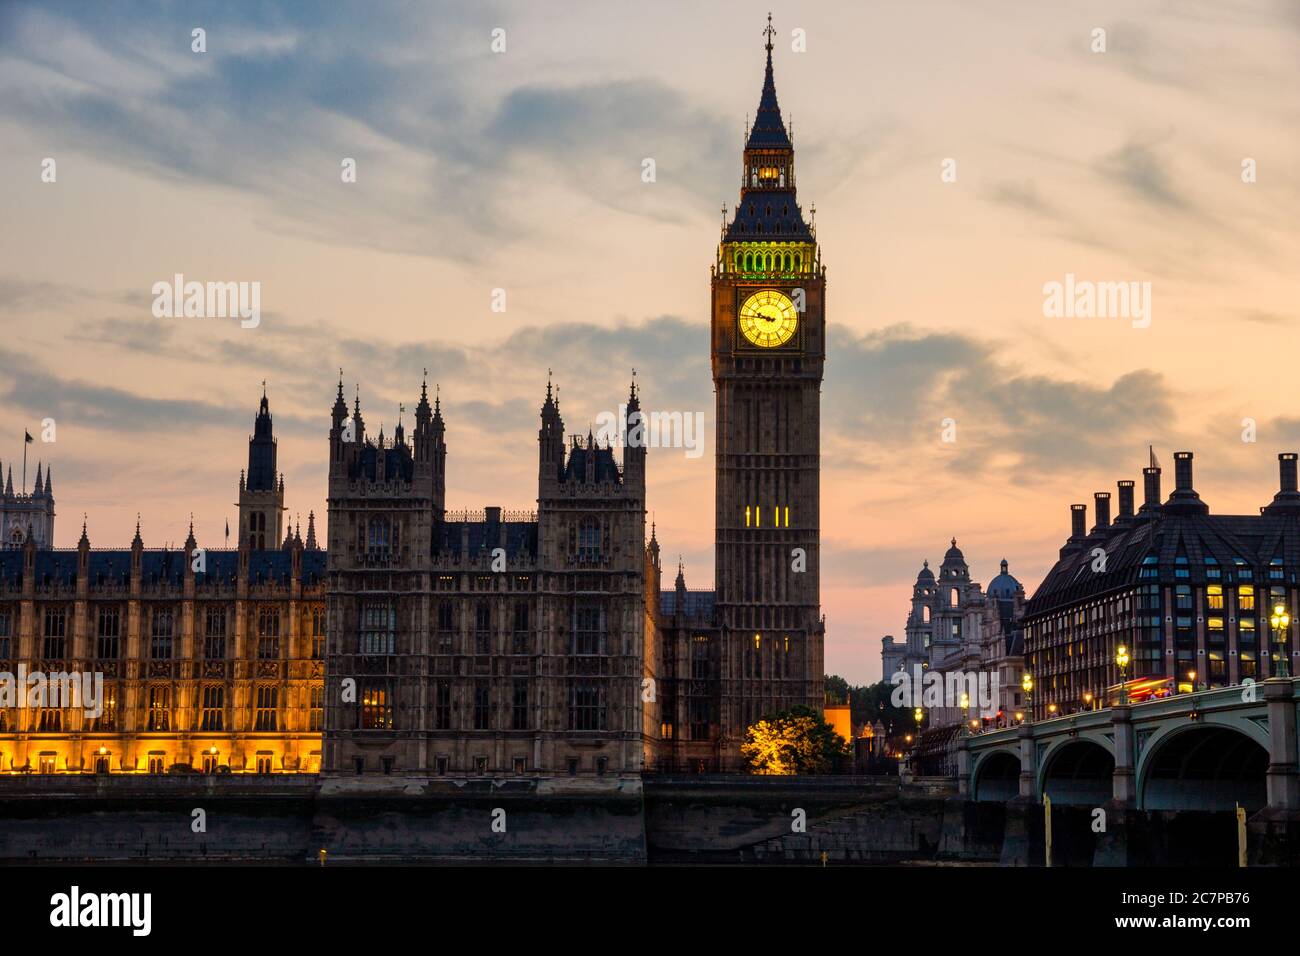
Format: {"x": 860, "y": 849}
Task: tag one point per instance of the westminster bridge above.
{"x": 1205, "y": 750}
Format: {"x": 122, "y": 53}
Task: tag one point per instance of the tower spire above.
{"x": 768, "y": 131}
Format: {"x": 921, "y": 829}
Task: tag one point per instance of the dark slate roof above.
{"x": 696, "y": 605}
{"x": 521, "y": 537}
{"x": 1003, "y": 586}
{"x": 1164, "y": 537}
{"x": 161, "y": 567}
{"x": 768, "y": 215}
{"x": 606, "y": 469}
{"x": 397, "y": 462}
{"x": 11, "y": 567}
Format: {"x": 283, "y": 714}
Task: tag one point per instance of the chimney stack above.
{"x": 1182, "y": 471}
{"x": 1126, "y": 499}
{"x": 1286, "y": 464}
{"x": 1101, "y": 505}
{"x": 1078, "y": 521}
{"x": 1150, "y": 489}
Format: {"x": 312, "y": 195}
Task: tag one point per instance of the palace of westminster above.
{"x": 418, "y": 641}
{"x": 413, "y": 640}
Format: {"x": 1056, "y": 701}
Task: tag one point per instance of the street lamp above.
{"x": 1027, "y": 685}
{"x": 1087, "y": 700}
{"x": 1281, "y": 624}
{"x": 1121, "y": 661}
{"x": 965, "y": 708}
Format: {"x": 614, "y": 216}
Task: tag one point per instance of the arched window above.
{"x": 798, "y": 262}
{"x": 954, "y": 597}
{"x": 589, "y": 539}
{"x": 925, "y": 613}
{"x": 749, "y": 263}
{"x": 737, "y": 261}
{"x": 378, "y": 539}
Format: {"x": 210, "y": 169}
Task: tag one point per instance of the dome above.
{"x": 953, "y": 555}
{"x": 926, "y": 576}
{"x": 1004, "y": 586}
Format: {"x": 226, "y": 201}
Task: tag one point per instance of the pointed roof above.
{"x": 311, "y": 531}
{"x": 768, "y": 131}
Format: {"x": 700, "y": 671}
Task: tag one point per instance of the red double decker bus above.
{"x": 1143, "y": 689}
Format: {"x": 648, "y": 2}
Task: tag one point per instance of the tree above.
{"x": 793, "y": 741}
{"x": 873, "y": 703}
{"x": 837, "y": 689}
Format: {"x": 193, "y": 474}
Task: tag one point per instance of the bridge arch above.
{"x": 997, "y": 777}
{"x": 1204, "y": 766}
{"x": 1078, "y": 771}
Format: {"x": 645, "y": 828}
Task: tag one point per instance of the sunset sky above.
{"x": 521, "y": 171}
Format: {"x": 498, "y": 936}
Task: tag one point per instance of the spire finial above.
{"x": 769, "y": 33}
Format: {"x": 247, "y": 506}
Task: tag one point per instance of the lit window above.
{"x": 1214, "y": 597}
{"x": 1246, "y": 597}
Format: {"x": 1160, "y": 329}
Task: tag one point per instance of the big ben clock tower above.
{"x": 769, "y": 347}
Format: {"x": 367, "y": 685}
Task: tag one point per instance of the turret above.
{"x": 550, "y": 439}
{"x": 261, "y": 488}
{"x": 634, "y": 440}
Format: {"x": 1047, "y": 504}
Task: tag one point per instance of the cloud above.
{"x": 893, "y": 388}
{"x": 280, "y": 99}
{"x": 91, "y": 406}
{"x": 1137, "y": 167}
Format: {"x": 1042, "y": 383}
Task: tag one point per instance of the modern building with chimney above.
{"x": 1186, "y": 592}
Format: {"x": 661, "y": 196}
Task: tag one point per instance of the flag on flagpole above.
{"x": 28, "y": 436}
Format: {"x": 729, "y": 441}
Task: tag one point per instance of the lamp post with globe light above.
{"x": 1121, "y": 661}
{"x": 1280, "y": 622}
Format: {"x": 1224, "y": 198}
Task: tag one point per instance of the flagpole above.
{"x": 24, "y": 461}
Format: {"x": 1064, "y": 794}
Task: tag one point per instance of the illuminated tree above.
{"x": 794, "y": 741}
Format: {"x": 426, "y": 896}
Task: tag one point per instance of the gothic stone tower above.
{"x": 261, "y": 489}
{"x": 385, "y": 498}
{"x": 26, "y": 516}
{"x": 768, "y": 338}
{"x": 489, "y": 644}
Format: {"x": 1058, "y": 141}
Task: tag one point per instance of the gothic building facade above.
{"x": 486, "y": 643}
{"x": 211, "y": 659}
{"x": 422, "y": 642}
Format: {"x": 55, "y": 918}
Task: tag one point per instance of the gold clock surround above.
{"x": 768, "y": 318}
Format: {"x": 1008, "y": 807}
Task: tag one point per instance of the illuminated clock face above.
{"x": 768, "y": 318}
